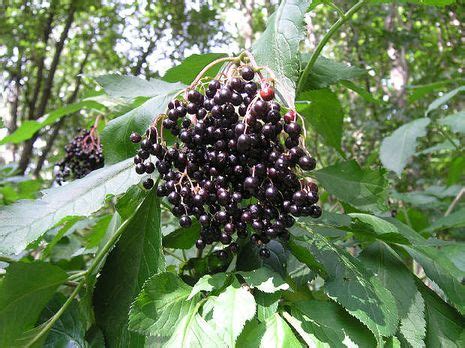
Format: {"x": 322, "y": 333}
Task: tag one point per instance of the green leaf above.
{"x": 355, "y": 288}
{"x": 29, "y": 128}
{"x": 446, "y": 145}
{"x": 128, "y": 86}
{"x": 137, "y": 256}
{"x": 193, "y": 331}
{"x": 444, "y": 99}
{"x": 267, "y": 304}
{"x": 265, "y": 279}
{"x": 325, "y": 114}
{"x": 361, "y": 91}
{"x": 443, "y": 272}
{"x": 162, "y": 305}
{"x": 326, "y": 324}
{"x": 25, "y": 221}
{"x": 454, "y": 220}
{"x": 395, "y": 277}
{"x": 301, "y": 253}
{"x": 24, "y": 292}
{"x": 326, "y": 72}
{"x": 445, "y": 327}
{"x": 455, "y": 122}
{"x": 278, "y": 46}
{"x": 115, "y": 137}
{"x": 397, "y": 148}
{"x": 367, "y": 227}
{"x": 70, "y": 329}
{"x": 232, "y": 308}
{"x": 363, "y": 188}
{"x": 273, "y": 332}
{"x": 187, "y": 71}
{"x": 419, "y": 91}
{"x": 208, "y": 283}
{"x": 182, "y": 238}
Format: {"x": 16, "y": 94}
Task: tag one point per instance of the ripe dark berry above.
{"x": 148, "y": 183}
{"x": 200, "y": 244}
{"x": 264, "y": 253}
{"x": 247, "y": 73}
{"x": 185, "y": 221}
{"x": 243, "y": 143}
{"x": 307, "y": 163}
{"x": 135, "y": 137}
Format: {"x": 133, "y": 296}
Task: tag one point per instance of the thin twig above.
{"x": 326, "y": 38}
{"x": 455, "y": 201}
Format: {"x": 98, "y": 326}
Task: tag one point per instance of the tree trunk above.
{"x": 40, "y": 65}
{"x": 27, "y": 151}
{"x": 56, "y": 129}
{"x": 248, "y": 27}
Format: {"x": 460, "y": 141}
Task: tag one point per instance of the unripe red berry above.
{"x": 267, "y": 93}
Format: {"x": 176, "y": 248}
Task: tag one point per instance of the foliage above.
{"x": 101, "y": 261}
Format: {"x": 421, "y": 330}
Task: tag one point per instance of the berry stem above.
{"x": 208, "y": 67}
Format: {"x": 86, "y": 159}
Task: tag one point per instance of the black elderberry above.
{"x": 234, "y": 165}
{"x": 83, "y": 155}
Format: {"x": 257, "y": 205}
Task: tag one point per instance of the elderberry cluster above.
{"x": 237, "y": 165}
{"x": 83, "y": 155}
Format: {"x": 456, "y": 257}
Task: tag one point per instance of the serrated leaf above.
{"x": 137, "y": 256}
{"x": 326, "y": 72}
{"x": 369, "y": 226}
{"x": 455, "y": 122}
{"x": 326, "y": 324}
{"x": 445, "y": 327}
{"x": 30, "y": 127}
{"x": 233, "y": 308}
{"x": 25, "y": 221}
{"x": 365, "y": 189}
{"x": 193, "y": 331}
{"x": 325, "y": 114}
{"x": 127, "y": 86}
{"x": 444, "y": 99}
{"x": 395, "y": 277}
{"x": 443, "y": 272}
{"x": 161, "y": 305}
{"x": 267, "y": 304}
{"x": 182, "y": 238}
{"x": 115, "y": 137}
{"x": 273, "y": 332}
{"x": 355, "y": 288}
{"x": 70, "y": 329}
{"x": 208, "y": 283}
{"x": 264, "y": 279}
{"x": 191, "y": 66}
{"x": 397, "y": 148}
{"x": 24, "y": 292}
{"x": 278, "y": 46}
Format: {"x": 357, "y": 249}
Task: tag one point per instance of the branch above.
{"x": 143, "y": 58}
{"x": 40, "y": 66}
{"x": 29, "y": 145}
{"x": 334, "y": 28}
{"x": 56, "y": 58}
{"x": 455, "y": 201}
